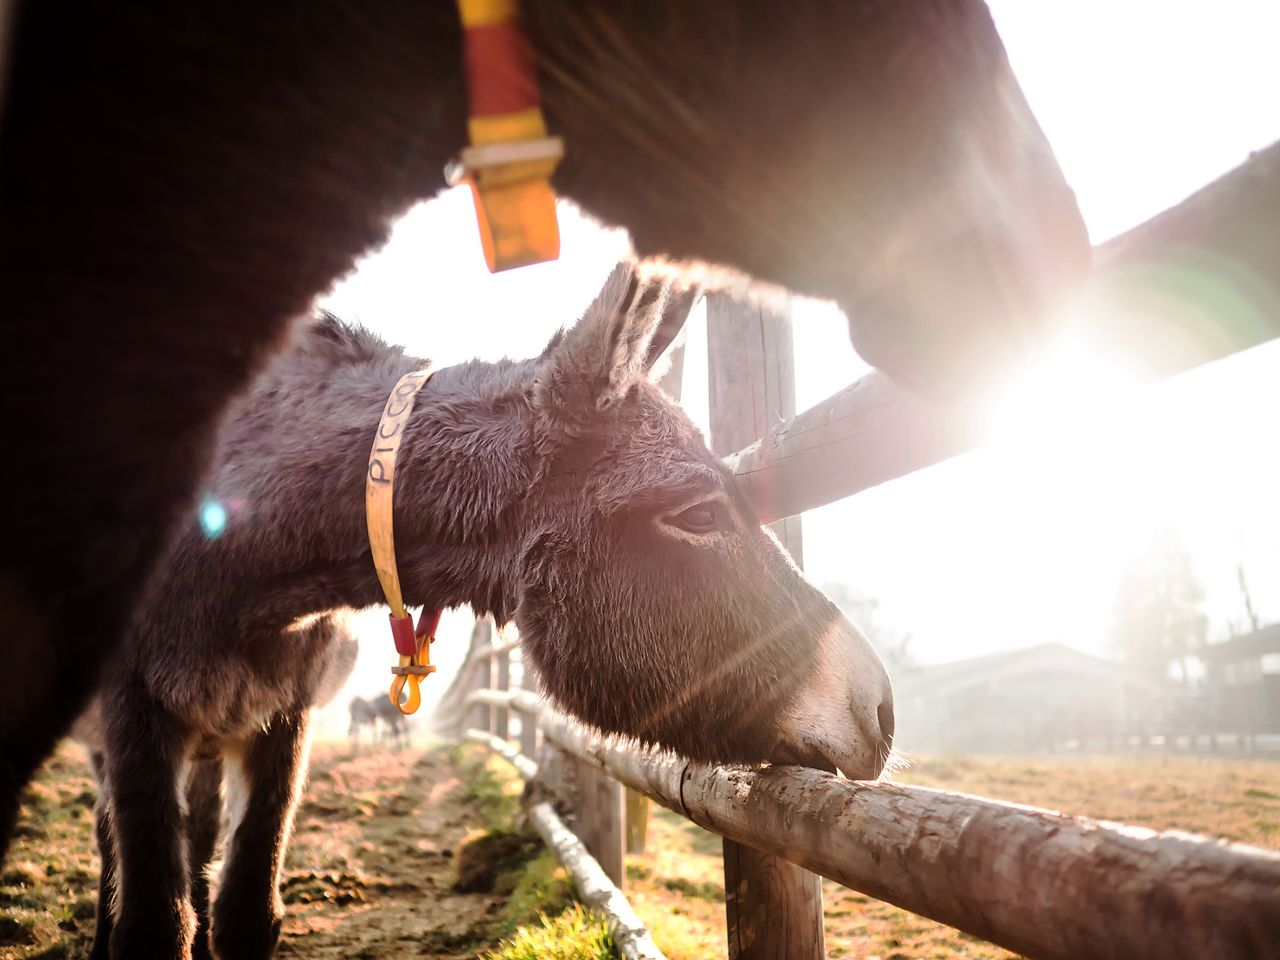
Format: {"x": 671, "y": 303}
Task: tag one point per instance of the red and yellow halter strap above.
{"x": 511, "y": 158}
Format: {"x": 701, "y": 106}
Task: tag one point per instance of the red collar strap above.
{"x": 511, "y": 158}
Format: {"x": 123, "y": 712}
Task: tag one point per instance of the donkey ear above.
{"x": 596, "y": 362}
{"x": 675, "y": 311}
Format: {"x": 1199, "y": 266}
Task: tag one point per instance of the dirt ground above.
{"x": 370, "y": 871}
{"x": 372, "y": 868}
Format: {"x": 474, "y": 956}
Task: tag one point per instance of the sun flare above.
{"x": 1069, "y": 394}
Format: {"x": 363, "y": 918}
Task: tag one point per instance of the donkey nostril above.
{"x": 884, "y": 713}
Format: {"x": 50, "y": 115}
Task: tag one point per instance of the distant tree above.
{"x": 1157, "y": 617}
{"x": 1254, "y": 623}
{"x": 893, "y": 645}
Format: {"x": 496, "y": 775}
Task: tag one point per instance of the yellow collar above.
{"x": 414, "y": 646}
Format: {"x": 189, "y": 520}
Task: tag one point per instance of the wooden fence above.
{"x": 1034, "y": 881}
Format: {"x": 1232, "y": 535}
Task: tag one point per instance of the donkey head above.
{"x": 649, "y": 598}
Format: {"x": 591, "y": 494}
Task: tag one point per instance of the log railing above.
{"x": 1196, "y": 283}
{"x": 1041, "y": 883}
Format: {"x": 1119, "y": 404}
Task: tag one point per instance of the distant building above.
{"x": 1022, "y": 701}
{"x": 1243, "y": 681}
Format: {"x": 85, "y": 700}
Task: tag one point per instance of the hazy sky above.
{"x": 1144, "y": 102}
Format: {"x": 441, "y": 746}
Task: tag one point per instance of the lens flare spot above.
{"x": 213, "y": 518}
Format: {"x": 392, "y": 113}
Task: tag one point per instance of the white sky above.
{"x": 1144, "y": 102}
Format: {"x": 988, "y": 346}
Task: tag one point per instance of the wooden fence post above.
{"x": 451, "y": 715}
{"x": 600, "y": 819}
{"x": 773, "y": 908}
{"x": 637, "y": 821}
{"x": 528, "y": 724}
{"x": 482, "y": 676}
{"x": 501, "y": 717}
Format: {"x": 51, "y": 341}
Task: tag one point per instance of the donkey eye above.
{"x": 702, "y": 518}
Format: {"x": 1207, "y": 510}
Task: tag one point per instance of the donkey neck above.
{"x": 292, "y": 475}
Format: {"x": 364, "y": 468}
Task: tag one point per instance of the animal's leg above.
{"x": 145, "y": 748}
{"x": 48, "y": 672}
{"x": 106, "y": 852}
{"x": 204, "y": 811}
{"x": 357, "y": 711}
{"x": 264, "y": 781}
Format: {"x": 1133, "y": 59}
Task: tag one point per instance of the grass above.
{"x": 47, "y": 886}
{"x": 541, "y": 887}
{"x": 490, "y": 785}
{"x": 574, "y": 934}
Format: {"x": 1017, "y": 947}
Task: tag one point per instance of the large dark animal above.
{"x": 567, "y": 493}
{"x": 179, "y": 180}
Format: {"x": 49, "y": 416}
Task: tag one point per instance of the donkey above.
{"x": 201, "y": 792}
{"x": 363, "y": 714}
{"x": 178, "y": 181}
{"x": 381, "y": 716}
{"x": 567, "y": 493}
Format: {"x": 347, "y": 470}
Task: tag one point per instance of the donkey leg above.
{"x": 263, "y": 786}
{"x": 145, "y": 749}
{"x": 101, "y": 949}
{"x": 204, "y": 813}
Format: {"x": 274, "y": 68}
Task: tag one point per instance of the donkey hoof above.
{"x": 246, "y": 941}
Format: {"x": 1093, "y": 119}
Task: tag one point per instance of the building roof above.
{"x": 1244, "y": 647}
{"x": 1044, "y": 655}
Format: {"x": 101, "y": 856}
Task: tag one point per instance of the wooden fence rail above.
{"x": 1193, "y": 284}
{"x": 1041, "y": 883}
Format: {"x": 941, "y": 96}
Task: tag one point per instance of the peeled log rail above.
{"x": 526, "y": 767}
{"x": 525, "y": 701}
{"x": 1040, "y": 883}
{"x": 1196, "y": 283}
{"x": 869, "y": 432}
{"x": 594, "y": 887}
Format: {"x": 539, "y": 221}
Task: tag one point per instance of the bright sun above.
{"x": 1069, "y": 395}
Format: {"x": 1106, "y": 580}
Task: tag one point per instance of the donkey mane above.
{"x": 352, "y": 342}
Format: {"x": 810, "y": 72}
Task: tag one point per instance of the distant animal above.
{"x": 565, "y": 492}
{"x": 363, "y": 714}
{"x": 382, "y": 718}
{"x": 178, "y": 181}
